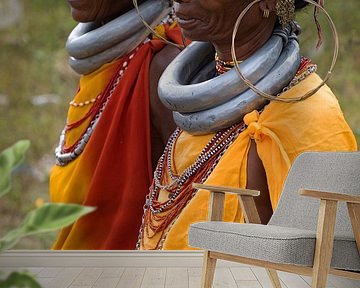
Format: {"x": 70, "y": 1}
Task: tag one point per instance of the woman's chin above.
{"x": 80, "y": 16}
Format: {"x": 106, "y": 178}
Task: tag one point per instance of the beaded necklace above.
{"x": 158, "y": 217}
{"x": 65, "y": 154}
{"x": 223, "y": 66}
{"x": 305, "y": 69}
{"x": 85, "y": 103}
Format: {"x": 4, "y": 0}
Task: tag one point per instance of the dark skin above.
{"x": 162, "y": 122}
{"x": 213, "y": 21}
{"x": 101, "y": 11}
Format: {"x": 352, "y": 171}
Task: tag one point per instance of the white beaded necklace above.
{"x": 62, "y": 157}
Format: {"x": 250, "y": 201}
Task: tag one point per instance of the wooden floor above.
{"x": 171, "y": 277}
{"x": 155, "y": 272}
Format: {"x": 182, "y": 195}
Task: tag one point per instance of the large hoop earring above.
{"x": 279, "y": 98}
{"x": 181, "y": 47}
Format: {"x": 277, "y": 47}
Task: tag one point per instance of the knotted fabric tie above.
{"x": 259, "y": 132}
{"x": 254, "y": 128}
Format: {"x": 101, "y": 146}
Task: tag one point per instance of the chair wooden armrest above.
{"x": 217, "y": 198}
{"x": 330, "y": 196}
{"x": 224, "y": 189}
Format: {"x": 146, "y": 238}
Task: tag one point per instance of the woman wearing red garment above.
{"x": 116, "y": 127}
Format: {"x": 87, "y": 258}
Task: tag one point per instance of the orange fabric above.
{"x": 114, "y": 171}
{"x": 281, "y": 132}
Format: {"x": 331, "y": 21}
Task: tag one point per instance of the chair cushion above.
{"x": 270, "y": 243}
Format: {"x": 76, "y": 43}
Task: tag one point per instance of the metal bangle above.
{"x": 87, "y": 40}
{"x": 233, "y": 111}
{"x": 176, "y": 93}
{"x": 87, "y": 65}
{"x": 90, "y": 47}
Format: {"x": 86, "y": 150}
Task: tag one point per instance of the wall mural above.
{"x": 116, "y": 131}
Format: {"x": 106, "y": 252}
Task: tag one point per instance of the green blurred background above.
{"x": 36, "y": 86}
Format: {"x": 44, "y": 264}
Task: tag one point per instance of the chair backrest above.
{"x": 326, "y": 171}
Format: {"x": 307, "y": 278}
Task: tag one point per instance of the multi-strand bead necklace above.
{"x": 223, "y": 66}
{"x": 159, "y": 216}
{"x": 65, "y": 154}
{"x": 305, "y": 69}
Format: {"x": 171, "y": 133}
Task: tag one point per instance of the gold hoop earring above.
{"x": 181, "y": 47}
{"x": 272, "y": 97}
{"x": 266, "y": 13}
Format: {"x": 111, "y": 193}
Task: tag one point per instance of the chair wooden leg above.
{"x": 324, "y": 243}
{"x": 354, "y": 212}
{"x": 208, "y": 271}
{"x": 274, "y": 278}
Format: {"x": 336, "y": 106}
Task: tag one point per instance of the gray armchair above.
{"x": 310, "y": 232}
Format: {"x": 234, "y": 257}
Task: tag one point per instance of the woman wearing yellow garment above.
{"x": 227, "y": 134}
{"x": 116, "y": 126}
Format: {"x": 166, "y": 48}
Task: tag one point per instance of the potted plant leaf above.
{"x": 48, "y": 217}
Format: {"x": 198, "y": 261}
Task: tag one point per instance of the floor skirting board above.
{"x": 35, "y": 258}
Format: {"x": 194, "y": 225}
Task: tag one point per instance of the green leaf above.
{"x": 48, "y": 217}
{"x": 9, "y": 159}
{"x": 20, "y": 280}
